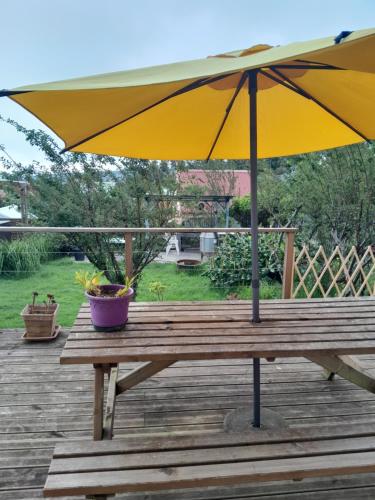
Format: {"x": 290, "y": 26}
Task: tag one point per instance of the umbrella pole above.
{"x": 253, "y": 87}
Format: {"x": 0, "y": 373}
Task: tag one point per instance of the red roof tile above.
{"x": 219, "y": 182}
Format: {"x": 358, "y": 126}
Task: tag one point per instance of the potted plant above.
{"x": 40, "y": 319}
{"x": 109, "y": 304}
{"x": 157, "y": 288}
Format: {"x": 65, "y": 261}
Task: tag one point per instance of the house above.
{"x": 213, "y": 190}
{"x": 216, "y": 182}
{"x": 10, "y": 216}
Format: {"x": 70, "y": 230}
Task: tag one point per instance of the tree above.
{"x": 336, "y": 190}
{"x": 78, "y": 189}
{"x": 329, "y": 196}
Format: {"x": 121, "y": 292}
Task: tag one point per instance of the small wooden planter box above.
{"x": 40, "y": 322}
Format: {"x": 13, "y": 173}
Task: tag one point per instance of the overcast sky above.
{"x": 45, "y": 40}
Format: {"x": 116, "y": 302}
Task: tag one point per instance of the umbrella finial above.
{"x": 342, "y": 35}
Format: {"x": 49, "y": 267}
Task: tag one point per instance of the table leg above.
{"x": 98, "y": 402}
{"x": 348, "y": 367}
{"x": 103, "y": 427}
{"x": 111, "y": 404}
{"x": 256, "y": 392}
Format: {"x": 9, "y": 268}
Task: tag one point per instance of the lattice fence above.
{"x": 336, "y": 275}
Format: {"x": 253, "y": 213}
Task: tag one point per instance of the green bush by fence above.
{"x": 231, "y": 265}
{"x": 21, "y": 257}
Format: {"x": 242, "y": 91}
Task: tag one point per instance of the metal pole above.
{"x": 227, "y": 213}
{"x": 256, "y": 393}
{"x": 254, "y": 234}
{"x": 253, "y": 190}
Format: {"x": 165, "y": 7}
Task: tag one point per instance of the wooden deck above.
{"x": 43, "y": 402}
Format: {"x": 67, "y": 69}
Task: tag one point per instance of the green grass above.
{"x": 184, "y": 286}
{"x": 57, "y": 277}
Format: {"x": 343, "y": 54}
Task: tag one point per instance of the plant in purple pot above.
{"x": 109, "y": 304}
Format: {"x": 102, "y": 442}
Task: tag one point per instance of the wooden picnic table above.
{"x": 160, "y": 334}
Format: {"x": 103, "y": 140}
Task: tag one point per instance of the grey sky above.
{"x": 44, "y": 40}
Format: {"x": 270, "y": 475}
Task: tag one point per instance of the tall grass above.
{"x": 22, "y": 257}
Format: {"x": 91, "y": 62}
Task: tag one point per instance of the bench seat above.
{"x": 162, "y": 463}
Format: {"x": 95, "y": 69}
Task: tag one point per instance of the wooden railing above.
{"x": 128, "y": 233}
{"x": 303, "y": 274}
{"x": 334, "y": 275}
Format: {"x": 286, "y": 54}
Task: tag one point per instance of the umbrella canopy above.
{"x": 200, "y": 109}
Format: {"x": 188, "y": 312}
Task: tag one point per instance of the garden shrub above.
{"x": 240, "y": 211}
{"x": 231, "y": 265}
{"x": 21, "y": 257}
{"x": 50, "y": 246}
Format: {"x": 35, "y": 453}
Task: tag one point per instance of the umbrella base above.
{"x": 241, "y": 420}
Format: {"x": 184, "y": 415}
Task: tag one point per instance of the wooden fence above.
{"x": 336, "y": 275}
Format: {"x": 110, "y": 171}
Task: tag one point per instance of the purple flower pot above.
{"x": 109, "y": 314}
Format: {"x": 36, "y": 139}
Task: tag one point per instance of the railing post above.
{"x": 129, "y": 255}
{"x": 288, "y": 273}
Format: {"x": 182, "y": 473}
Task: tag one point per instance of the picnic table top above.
{"x": 221, "y": 329}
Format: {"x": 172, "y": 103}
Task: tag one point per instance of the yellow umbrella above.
{"x": 254, "y": 103}
{"x": 175, "y": 111}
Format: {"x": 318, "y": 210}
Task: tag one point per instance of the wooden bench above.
{"x": 101, "y": 468}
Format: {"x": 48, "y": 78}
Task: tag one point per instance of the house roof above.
{"x": 218, "y": 182}
{"x": 10, "y": 212}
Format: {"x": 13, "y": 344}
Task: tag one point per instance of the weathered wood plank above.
{"x": 208, "y": 475}
{"x": 140, "y": 374}
{"x": 355, "y": 308}
{"x": 303, "y": 339}
{"x": 233, "y": 315}
{"x": 225, "y": 351}
{"x": 109, "y": 416}
{"x": 98, "y": 402}
{"x": 202, "y": 456}
{"x": 263, "y": 302}
{"x": 238, "y": 328}
{"x": 347, "y": 367}
{"x": 223, "y": 440}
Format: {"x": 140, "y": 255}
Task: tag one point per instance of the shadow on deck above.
{"x": 42, "y": 402}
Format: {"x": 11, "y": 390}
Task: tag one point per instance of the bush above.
{"x": 50, "y": 246}
{"x": 231, "y": 265}
{"x": 21, "y": 257}
{"x": 240, "y": 211}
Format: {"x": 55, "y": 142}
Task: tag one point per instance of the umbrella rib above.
{"x": 306, "y": 66}
{"x": 319, "y": 65}
{"x": 9, "y": 93}
{"x": 227, "y": 112}
{"x": 323, "y": 106}
{"x": 191, "y": 86}
{"x": 281, "y": 82}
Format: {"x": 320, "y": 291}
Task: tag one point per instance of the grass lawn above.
{"x": 57, "y": 277}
